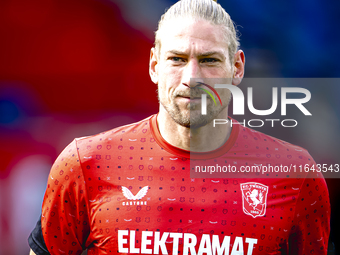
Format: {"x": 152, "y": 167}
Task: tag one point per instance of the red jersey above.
{"x": 129, "y": 191}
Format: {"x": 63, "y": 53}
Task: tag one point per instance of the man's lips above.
{"x": 186, "y": 98}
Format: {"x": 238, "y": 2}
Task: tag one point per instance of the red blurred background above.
{"x": 68, "y": 69}
{"x": 71, "y": 68}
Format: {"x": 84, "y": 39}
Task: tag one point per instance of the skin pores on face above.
{"x": 192, "y": 51}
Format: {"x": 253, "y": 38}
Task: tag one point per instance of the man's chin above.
{"x": 193, "y": 119}
{"x": 190, "y": 121}
{"x": 199, "y": 121}
{"x": 191, "y": 124}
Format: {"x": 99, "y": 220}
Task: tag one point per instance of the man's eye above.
{"x": 209, "y": 60}
{"x": 177, "y": 59}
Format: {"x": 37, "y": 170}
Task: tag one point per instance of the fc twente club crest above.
{"x": 254, "y": 198}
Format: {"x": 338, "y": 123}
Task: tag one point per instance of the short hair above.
{"x": 208, "y": 10}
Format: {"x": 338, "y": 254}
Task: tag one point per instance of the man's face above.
{"x": 191, "y": 51}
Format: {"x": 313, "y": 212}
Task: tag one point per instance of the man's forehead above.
{"x": 184, "y": 35}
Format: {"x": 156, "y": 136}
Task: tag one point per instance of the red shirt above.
{"x": 129, "y": 191}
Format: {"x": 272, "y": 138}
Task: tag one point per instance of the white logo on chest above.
{"x": 140, "y": 194}
{"x": 254, "y": 198}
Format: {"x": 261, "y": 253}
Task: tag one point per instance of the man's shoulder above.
{"x": 267, "y": 142}
{"x": 275, "y": 158}
{"x": 122, "y": 132}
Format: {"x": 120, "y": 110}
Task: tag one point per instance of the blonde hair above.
{"x": 208, "y": 10}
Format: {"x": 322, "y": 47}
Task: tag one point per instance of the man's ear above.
{"x": 153, "y": 65}
{"x": 239, "y": 62}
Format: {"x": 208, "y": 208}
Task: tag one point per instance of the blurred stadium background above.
{"x": 71, "y": 68}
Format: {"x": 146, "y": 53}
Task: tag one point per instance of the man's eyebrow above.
{"x": 204, "y": 54}
{"x": 176, "y": 52}
{"x": 210, "y": 53}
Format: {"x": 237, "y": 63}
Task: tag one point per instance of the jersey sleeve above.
{"x": 311, "y": 224}
{"x": 64, "y": 220}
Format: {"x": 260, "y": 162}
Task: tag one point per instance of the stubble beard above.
{"x": 191, "y": 117}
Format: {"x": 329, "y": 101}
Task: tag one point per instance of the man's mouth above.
{"x": 189, "y": 98}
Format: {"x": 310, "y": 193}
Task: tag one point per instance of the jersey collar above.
{"x": 194, "y": 155}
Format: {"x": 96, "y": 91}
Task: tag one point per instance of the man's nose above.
{"x": 192, "y": 73}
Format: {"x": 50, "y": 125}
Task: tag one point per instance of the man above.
{"x": 129, "y": 190}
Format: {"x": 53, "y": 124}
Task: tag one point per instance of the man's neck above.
{"x": 203, "y": 139}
